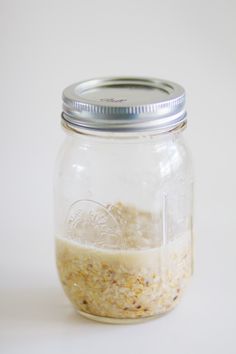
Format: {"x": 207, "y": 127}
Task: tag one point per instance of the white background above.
{"x": 47, "y": 45}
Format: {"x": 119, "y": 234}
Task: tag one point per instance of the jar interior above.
{"x": 124, "y": 224}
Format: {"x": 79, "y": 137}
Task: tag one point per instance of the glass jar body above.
{"x": 123, "y": 223}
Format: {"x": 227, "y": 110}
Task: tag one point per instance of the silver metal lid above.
{"x": 124, "y": 104}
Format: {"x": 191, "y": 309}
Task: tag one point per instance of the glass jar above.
{"x": 123, "y": 199}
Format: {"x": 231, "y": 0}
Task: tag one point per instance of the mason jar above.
{"x": 123, "y": 198}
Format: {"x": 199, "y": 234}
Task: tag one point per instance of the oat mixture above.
{"x": 139, "y": 277}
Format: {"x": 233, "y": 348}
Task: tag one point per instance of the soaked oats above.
{"x": 137, "y": 278}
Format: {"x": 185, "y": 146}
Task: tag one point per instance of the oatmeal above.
{"x": 144, "y": 278}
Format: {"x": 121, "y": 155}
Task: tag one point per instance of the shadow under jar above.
{"x": 123, "y": 198}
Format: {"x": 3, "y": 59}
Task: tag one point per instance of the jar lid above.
{"x": 124, "y": 104}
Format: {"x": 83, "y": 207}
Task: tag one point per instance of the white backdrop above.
{"x": 47, "y": 45}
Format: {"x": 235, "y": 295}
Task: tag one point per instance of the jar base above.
{"x": 113, "y": 320}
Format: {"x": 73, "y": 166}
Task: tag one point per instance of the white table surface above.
{"x": 46, "y": 45}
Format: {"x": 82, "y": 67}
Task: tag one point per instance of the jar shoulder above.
{"x": 164, "y": 156}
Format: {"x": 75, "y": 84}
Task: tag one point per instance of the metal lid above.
{"x": 125, "y": 104}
